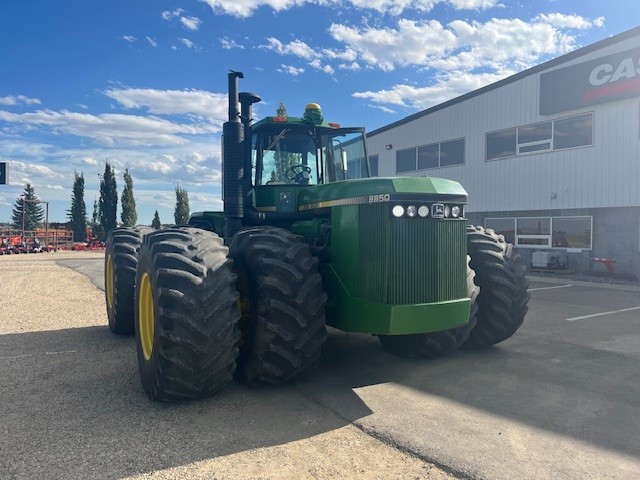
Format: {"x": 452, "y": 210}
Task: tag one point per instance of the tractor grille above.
{"x": 410, "y": 260}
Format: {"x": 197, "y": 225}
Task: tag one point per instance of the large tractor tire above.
{"x": 120, "y": 264}
{"x": 186, "y": 314}
{"x": 436, "y": 343}
{"x": 503, "y": 299}
{"x": 282, "y": 304}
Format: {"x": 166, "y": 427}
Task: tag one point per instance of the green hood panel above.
{"x": 376, "y": 186}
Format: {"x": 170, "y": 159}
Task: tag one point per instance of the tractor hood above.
{"x": 373, "y": 190}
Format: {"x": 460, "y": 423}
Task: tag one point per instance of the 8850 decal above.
{"x": 383, "y": 197}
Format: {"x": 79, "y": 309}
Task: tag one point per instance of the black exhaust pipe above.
{"x": 233, "y": 152}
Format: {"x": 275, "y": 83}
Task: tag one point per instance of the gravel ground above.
{"x": 67, "y": 413}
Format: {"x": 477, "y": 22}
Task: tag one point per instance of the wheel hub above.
{"x": 146, "y": 316}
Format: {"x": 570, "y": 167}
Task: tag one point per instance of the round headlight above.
{"x": 423, "y": 211}
{"x": 447, "y": 211}
{"x": 398, "y": 211}
{"x": 455, "y": 211}
{"x": 412, "y": 210}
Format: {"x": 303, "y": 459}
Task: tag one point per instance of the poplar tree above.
{"x": 128, "y": 215}
{"x": 108, "y": 203}
{"x": 181, "y": 213}
{"x": 78, "y": 212}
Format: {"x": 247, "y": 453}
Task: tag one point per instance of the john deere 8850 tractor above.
{"x": 306, "y": 239}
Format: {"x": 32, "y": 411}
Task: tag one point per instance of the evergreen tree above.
{"x": 283, "y": 163}
{"x": 27, "y": 209}
{"x": 156, "y": 221}
{"x": 98, "y": 232}
{"x": 108, "y": 203}
{"x": 78, "y": 212}
{"x": 181, "y": 214}
{"x": 128, "y": 215}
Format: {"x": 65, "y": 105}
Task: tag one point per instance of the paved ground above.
{"x": 559, "y": 400}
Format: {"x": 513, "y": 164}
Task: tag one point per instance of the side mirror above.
{"x": 344, "y": 161}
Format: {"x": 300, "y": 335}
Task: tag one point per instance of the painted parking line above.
{"x": 613, "y": 312}
{"x": 548, "y": 288}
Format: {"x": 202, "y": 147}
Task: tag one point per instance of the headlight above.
{"x": 412, "y": 210}
{"x": 447, "y": 211}
{"x": 423, "y": 211}
{"x": 398, "y": 211}
{"x": 455, "y": 211}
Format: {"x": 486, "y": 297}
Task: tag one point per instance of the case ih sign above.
{"x": 599, "y": 81}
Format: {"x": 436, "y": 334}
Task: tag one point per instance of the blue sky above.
{"x": 142, "y": 84}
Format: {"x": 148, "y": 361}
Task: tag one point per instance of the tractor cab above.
{"x": 305, "y": 151}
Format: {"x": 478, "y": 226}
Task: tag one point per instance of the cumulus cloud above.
{"x": 187, "y": 43}
{"x": 191, "y": 23}
{"x": 110, "y": 129}
{"x": 569, "y": 21}
{"x": 152, "y": 41}
{"x": 173, "y": 102}
{"x": 170, "y": 14}
{"x": 447, "y": 86}
{"x": 12, "y": 100}
{"x": 246, "y": 8}
{"x": 289, "y": 70}
{"x": 229, "y": 43}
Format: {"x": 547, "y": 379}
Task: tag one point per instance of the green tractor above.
{"x": 306, "y": 239}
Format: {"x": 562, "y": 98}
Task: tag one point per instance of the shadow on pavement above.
{"x": 72, "y": 406}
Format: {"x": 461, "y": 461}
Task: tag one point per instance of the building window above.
{"x": 373, "y": 165}
{"x": 443, "y": 154}
{"x": 429, "y": 156}
{"x": 545, "y": 232}
{"x": 534, "y": 138}
{"x": 570, "y": 132}
{"x": 573, "y": 132}
{"x": 501, "y": 144}
{"x": 406, "y": 160}
{"x": 452, "y": 153}
{"x": 572, "y": 232}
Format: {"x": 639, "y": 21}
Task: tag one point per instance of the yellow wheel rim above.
{"x": 145, "y": 316}
{"x": 109, "y": 284}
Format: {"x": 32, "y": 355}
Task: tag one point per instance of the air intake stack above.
{"x": 233, "y": 152}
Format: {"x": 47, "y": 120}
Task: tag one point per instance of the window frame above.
{"x": 552, "y": 147}
{"x": 549, "y": 237}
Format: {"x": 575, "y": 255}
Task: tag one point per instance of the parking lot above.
{"x": 559, "y": 400}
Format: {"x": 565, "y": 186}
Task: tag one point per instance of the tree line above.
{"x": 28, "y": 213}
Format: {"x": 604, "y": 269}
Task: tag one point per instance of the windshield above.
{"x": 344, "y": 155}
{"x": 305, "y": 157}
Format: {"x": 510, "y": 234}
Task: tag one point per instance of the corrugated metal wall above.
{"x": 604, "y": 175}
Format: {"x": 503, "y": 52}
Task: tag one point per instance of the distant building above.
{"x": 550, "y": 157}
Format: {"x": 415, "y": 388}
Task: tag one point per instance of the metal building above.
{"x": 550, "y": 157}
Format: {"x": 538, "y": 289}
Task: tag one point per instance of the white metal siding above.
{"x": 604, "y": 175}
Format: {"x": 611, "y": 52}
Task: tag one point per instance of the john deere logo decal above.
{"x": 437, "y": 210}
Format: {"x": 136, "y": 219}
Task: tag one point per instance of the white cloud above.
{"x": 168, "y": 14}
{"x": 412, "y": 43}
{"x": 110, "y": 129}
{"x": 187, "y": 43}
{"x": 296, "y": 47}
{"x": 246, "y": 8}
{"x": 12, "y": 100}
{"x": 173, "y": 102}
{"x": 289, "y": 70}
{"x": 129, "y": 38}
{"x": 228, "y": 43}
{"x": 191, "y": 23}
{"x": 446, "y": 87}
{"x": 323, "y": 68}
{"x": 152, "y": 41}
{"x": 569, "y": 21}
